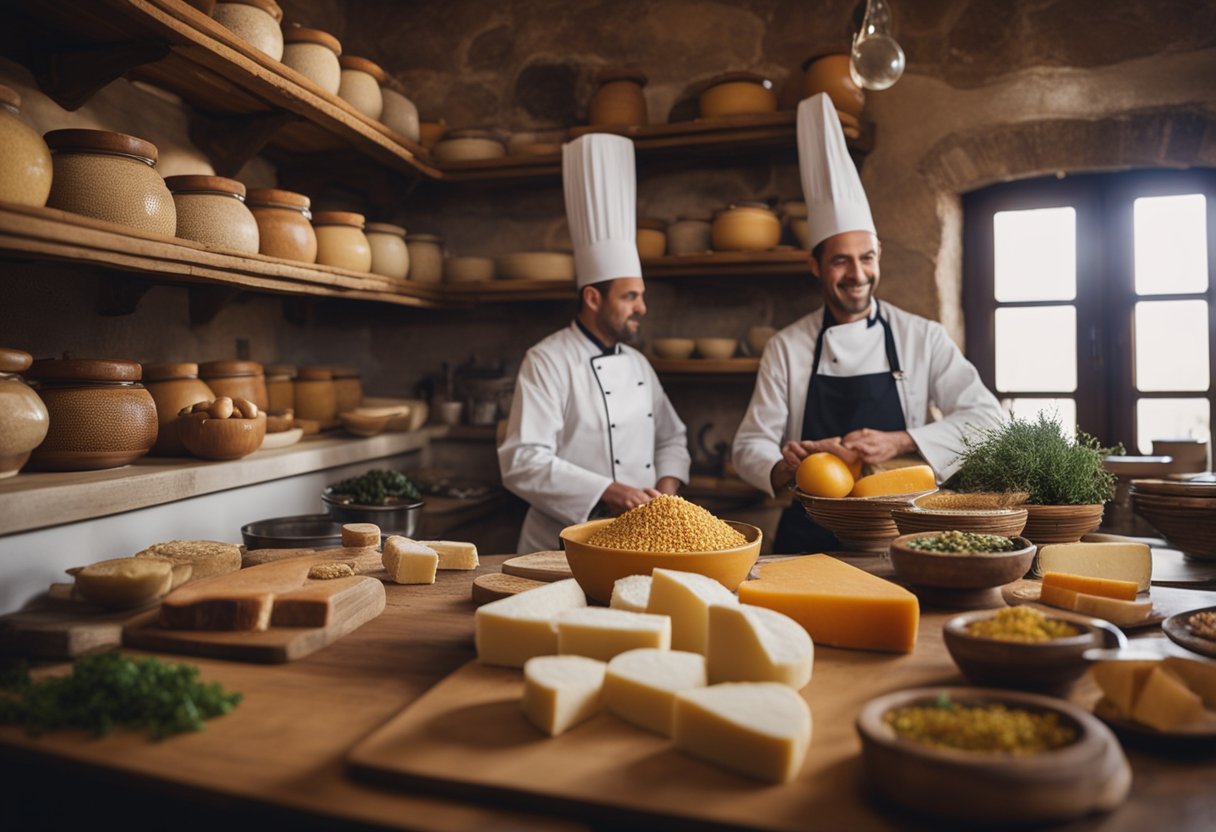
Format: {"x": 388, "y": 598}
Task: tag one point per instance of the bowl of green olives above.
{"x": 956, "y": 569}
{"x": 387, "y": 498}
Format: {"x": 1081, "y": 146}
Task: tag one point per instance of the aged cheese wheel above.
{"x": 124, "y": 582}
{"x": 361, "y": 535}
{"x": 206, "y": 557}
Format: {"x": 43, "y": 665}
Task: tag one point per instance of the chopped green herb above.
{"x": 377, "y": 488}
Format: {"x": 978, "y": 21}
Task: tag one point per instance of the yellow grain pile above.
{"x": 972, "y": 500}
{"x": 667, "y": 524}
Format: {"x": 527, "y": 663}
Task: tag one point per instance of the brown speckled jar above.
{"x": 390, "y": 257}
{"x": 101, "y": 416}
{"x": 236, "y": 380}
{"x": 314, "y": 54}
{"x": 24, "y": 420}
{"x": 254, "y": 21}
{"x": 280, "y": 386}
{"x": 341, "y": 242}
{"x": 348, "y": 388}
{"x": 284, "y": 224}
{"x": 173, "y": 386}
{"x": 211, "y": 210}
{"x": 316, "y": 394}
{"x": 25, "y": 160}
{"x": 360, "y": 86}
{"x": 112, "y": 177}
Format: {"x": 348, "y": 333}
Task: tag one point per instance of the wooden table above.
{"x": 278, "y": 758}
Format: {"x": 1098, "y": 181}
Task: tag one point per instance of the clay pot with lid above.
{"x": 211, "y": 210}
{"x": 173, "y": 386}
{"x": 314, "y": 54}
{"x": 284, "y": 224}
{"x": 112, "y": 177}
{"x": 618, "y": 99}
{"x": 316, "y": 395}
{"x": 25, "y": 160}
{"x": 280, "y": 386}
{"x": 399, "y": 114}
{"x": 651, "y": 237}
{"x": 341, "y": 242}
{"x": 737, "y": 93}
{"x": 830, "y": 74}
{"x": 390, "y": 256}
{"x": 254, "y": 21}
{"x": 468, "y": 145}
{"x": 348, "y": 388}
{"x": 360, "y": 85}
{"x": 100, "y": 414}
{"x": 24, "y": 420}
{"x": 690, "y": 233}
{"x": 426, "y": 257}
{"x": 746, "y": 226}
{"x": 236, "y": 379}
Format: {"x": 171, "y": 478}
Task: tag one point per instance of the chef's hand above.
{"x": 794, "y": 452}
{"x": 878, "y": 445}
{"x": 619, "y": 497}
{"x": 666, "y": 485}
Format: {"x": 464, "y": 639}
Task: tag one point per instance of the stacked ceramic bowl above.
{"x": 982, "y": 513}
{"x": 1184, "y": 511}
{"x": 861, "y": 524}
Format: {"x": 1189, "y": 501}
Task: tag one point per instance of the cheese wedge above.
{"x": 602, "y": 632}
{"x": 640, "y": 686}
{"x": 686, "y": 597}
{"x": 361, "y": 535}
{"x": 1107, "y": 588}
{"x": 1165, "y": 702}
{"x": 561, "y": 691}
{"x": 512, "y": 630}
{"x": 754, "y": 644}
{"x": 1119, "y": 613}
{"x": 1114, "y": 561}
{"x": 631, "y": 592}
{"x": 1199, "y": 675}
{"x": 837, "y": 604}
{"x": 757, "y": 729}
{"x": 454, "y": 554}
{"x": 1121, "y": 681}
{"x": 408, "y": 561}
{"x": 896, "y": 481}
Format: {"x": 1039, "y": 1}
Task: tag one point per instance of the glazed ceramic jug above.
{"x": 23, "y": 417}
{"x": 25, "y": 160}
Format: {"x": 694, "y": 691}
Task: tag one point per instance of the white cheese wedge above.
{"x": 1165, "y": 703}
{"x": 1114, "y": 561}
{"x": 561, "y": 691}
{"x": 454, "y": 554}
{"x": 754, "y": 644}
{"x": 602, "y": 632}
{"x": 686, "y": 596}
{"x": 1119, "y": 613}
{"x": 1122, "y": 680}
{"x": 512, "y": 630}
{"x": 757, "y": 729}
{"x": 631, "y": 592}
{"x": 641, "y": 685}
{"x": 1199, "y": 675}
{"x": 408, "y": 561}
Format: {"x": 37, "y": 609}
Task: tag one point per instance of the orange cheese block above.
{"x": 838, "y": 604}
{"x": 896, "y": 481}
{"x": 1106, "y": 587}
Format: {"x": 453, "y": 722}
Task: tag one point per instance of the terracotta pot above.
{"x": 390, "y": 257}
{"x": 173, "y": 386}
{"x": 284, "y": 227}
{"x": 737, "y": 93}
{"x": 24, "y": 420}
{"x": 211, "y": 210}
{"x": 254, "y": 21}
{"x": 280, "y": 386}
{"x": 236, "y": 380}
{"x": 314, "y": 54}
{"x": 360, "y": 85}
{"x": 341, "y": 242}
{"x": 690, "y": 234}
{"x": 830, "y": 74}
{"x": 619, "y": 99}
{"x": 112, "y": 177}
{"x": 651, "y": 238}
{"x": 746, "y": 226}
{"x": 100, "y": 415}
{"x": 348, "y": 388}
{"x": 316, "y": 395}
{"x": 25, "y": 160}
{"x": 426, "y": 257}
{"x": 1060, "y": 524}
{"x": 399, "y": 114}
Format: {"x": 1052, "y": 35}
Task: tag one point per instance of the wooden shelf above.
{"x": 729, "y": 264}
{"x": 700, "y": 368}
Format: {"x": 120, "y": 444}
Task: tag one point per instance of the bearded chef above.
{"x": 591, "y": 432}
{"x": 857, "y": 377}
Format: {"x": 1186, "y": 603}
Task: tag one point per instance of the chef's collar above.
{"x": 871, "y": 317}
{"x": 604, "y": 350}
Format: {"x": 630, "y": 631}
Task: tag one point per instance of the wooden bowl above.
{"x": 965, "y": 580}
{"x": 209, "y": 438}
{"x": 861, "y": 524}
{"x": 1045, "y": 665}
{"x": 1007, "y": 522}
{"x": 1187, "y": 523}
{"x": 717, "y": 349}
{"x": 677, "y": 348}
{"x": 1061, "y": 524}
{"x": 278, "y": 421}
{"x": 597, "y": 568}
{"x": 362, "y": 423}
{"x": 1088, "y": 775}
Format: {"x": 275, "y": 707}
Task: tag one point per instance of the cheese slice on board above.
{"x": 753, "y": 644}
{"x": 454, "y": 554}
{"x": 1106, "y": 587}
{"x": 1115, "y": 561}
{"x": 631, "y": 592}
{"x": 561, "y": 691}
{"x": 1119, "y": 613}
{"x": 686, "y": 597}
{"x": 512, "y": 630}
{"x": 1121, "y": 681}
{"x": 895, "y": 481}
{"x": 602, "y": 632}
{"x": 757, "y": 729}
{"x": 836, "y": 603}
{"x": 1165, "y": 702}
{"x": 640, "y": 686}
{"x": 408, "y": 561}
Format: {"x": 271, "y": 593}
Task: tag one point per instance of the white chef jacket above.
{"x": 581, "y": 419}
{"x": 934, "y": 372}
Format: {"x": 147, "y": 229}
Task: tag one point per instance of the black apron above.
{"x": 835, "y": 406}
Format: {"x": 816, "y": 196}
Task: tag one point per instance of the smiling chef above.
{"x": 591, "y": 432}
{"x": 856, "y": 377}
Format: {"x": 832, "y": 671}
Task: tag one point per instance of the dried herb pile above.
{"x": 377, "y": 488}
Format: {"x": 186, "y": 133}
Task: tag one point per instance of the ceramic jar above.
{"x": 254, "y": 21}
{"x": 399, "y": 113}
{"x": 468, "y": 269}
{"x": 280, "y": 386}
{"x": 429, "y": 132}
{"x": 618, "y": 98}
{"x": 25, "y": 160}
{"x": 100, "y": 415}
{"x": 690, "y": 234}
{"x": 315, "y": 393}
{"x": 390, "y": 257}
{"x": 284, "y": 227}
{"x": 314, "y": 54}
{"x": 651, "y": 238}
{"x": 173, "y": 386}
{"x": 794, "y": 213}
{"x": 426, "y": 258}
{"x": 348, "y": 388}
{"x": 360, "y": 85}
{"x": 830, "y": 74}
{"x": 341, "y": 242}
{"x": 737, "y": 93}
{"x": 236, "y": 379}
{"x": 112, "y": 177}
{"x": 24, "y": 420}
{"x": 211, "y": 210}
{"x": 746, "y": 226}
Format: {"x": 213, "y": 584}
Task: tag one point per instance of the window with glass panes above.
{"x": 1090, "y": 296}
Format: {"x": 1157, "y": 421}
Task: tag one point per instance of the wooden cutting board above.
{"x": 60, "y": 627}
{"x": 1167, "y": 600}
{"x": 539, "y": 566}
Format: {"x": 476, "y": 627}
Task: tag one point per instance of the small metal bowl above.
{"x": 395, "y": 518}
{"x": 304, "y": 531}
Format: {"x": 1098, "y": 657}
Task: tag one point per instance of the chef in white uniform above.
{"x": 591, "y": 432}
{"x": 856, "y": 377}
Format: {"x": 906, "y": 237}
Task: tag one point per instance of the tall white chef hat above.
{"x": 601, "y": 207}
{"x": 835, "y": 200}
